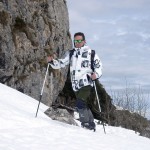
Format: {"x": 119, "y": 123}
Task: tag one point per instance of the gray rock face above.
{"x": 62, "y": 115}
{"x": 30, "y": 30}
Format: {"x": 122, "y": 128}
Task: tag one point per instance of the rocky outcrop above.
{"x": 62, "y": 115}
{"x": 29, "y": 31}
{"x": 133, "y": 121}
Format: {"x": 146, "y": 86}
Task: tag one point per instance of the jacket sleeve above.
{"x": 97, "y": 66}
{"x": 60, "y": 63}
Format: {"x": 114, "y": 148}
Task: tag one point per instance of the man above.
{"x": 82, "y": 75}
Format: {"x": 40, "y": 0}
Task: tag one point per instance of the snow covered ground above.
{"x": 20, "y": 130}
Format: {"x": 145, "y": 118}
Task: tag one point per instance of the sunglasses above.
{"x": 78, "y": 41}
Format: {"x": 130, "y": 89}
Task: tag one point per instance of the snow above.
{"x": 118, "y": 107}
{"x": 21, "y": 130}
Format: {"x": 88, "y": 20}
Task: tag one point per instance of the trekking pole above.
{"x": 42, "y": 90}
{"x": 98, "y": 103}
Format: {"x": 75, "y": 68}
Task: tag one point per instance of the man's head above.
{"x": 79, "y": 40}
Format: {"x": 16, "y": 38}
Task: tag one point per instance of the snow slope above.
{"x": 20, "y": 130}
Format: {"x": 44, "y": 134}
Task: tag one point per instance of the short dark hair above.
{"x": 79, "y": 34}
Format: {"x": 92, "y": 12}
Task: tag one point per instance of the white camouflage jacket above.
{"x": 80, "y": 66}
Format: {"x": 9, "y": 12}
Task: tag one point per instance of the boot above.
{"x": 89, "y": 125}
{"x": 86, "y": 118}
{"x": 85, "y": 115}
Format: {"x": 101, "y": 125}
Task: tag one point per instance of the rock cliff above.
{"x": 30, "y": 30}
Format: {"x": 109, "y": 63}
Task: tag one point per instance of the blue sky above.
{"x": 119, "y": 31}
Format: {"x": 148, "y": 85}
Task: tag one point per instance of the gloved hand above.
{"x": 93, "y": 76}
{"x": 49, "y": 59}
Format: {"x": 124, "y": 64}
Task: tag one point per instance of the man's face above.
{"x": 78, "y": 41}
